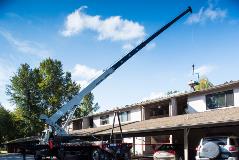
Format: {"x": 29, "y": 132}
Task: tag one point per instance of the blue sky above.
{"x": 88, "y": 36}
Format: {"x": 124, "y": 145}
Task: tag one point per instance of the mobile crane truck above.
{"x": 56, "y": 142}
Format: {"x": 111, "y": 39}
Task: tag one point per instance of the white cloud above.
{"x": 83, "y": 83}
{"x": 6, "y": 71}
{"x": 128, "y": 47}
{"x": 28, "y": 47}
{"x": 154, "y": 95}
{"x": 207, "y": 14}
{"x": 150, "y": 46}
{"x": 84, "y": 74}
{"x": 204, "y": 70}
{"x": 113, "y": 28}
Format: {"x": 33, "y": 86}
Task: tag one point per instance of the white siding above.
{"x": 196, "y": 104}
{"x": 135, "y": 115}
{"x": 111, "y": 117}
{"x": 139, "y": 145}
{"x": 96, "y": 121}
{"x": 236, "y": 97}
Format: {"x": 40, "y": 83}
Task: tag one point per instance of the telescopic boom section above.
{"x": 75, "y": 101}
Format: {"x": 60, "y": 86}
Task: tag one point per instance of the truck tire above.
{"x": 96, "y": 154}
{"x": 37, "y": 156}
{"x": 180, "y": 158}
{"x": 127, "y": 156}
{"x": 61, "y": 155}
{"x": 210, "y": 150}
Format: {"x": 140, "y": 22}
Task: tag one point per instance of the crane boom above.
{"x": 75, "y": 101}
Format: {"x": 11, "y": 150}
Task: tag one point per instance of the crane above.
{"x": 62, "y": 143}
{"x": 71, "y": 106}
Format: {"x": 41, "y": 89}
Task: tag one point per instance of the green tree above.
{"x": 6, "y": 125}
{"x": 86, "y": 106}
{"x": 25, "y": 94}
{"x": 19, "y": 123}
{"x": 43, "y": 90}
{"x": 56, "y": 86}
{"x": 204, "y": 83}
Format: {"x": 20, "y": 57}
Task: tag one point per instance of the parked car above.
{"x": 169, "y": 152}
{"x": 218, "y": 147}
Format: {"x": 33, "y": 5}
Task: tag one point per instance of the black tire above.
{"x": 101, "y": 155}
{"x": 61, "y": 155}
{"x": 96, "y": 154}
{"x": 37, "y": 156}
{"x": 180, "y": 158}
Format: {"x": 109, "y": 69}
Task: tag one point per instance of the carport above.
{"x": 187, "y": 128}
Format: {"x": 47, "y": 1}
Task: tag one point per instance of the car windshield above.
{"x": 166, "y": 147}
{"x": 234, "y": 141}
{"x": 217, "y": 140}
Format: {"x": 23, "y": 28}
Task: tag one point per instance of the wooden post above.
{"x": 185, "y": 133}
{"x": 134, "y": 146}
{"x": 171, "y": 139}
{"x": 173, "y": 110}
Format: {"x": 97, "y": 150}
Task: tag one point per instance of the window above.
{"x": 104, "y": 120}
{"x": 217, "y": 140}
{"x": 124, "y": 116}
{"x": 220, "y": 99}
{"x": 156, "y": 112}
{"x": 77, "y": 124}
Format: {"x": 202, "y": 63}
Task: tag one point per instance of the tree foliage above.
{"x": 6, "y": 125}
{"x": 87, "y": 106}
{"x": 25, "y": 94}
{"x": 204, "y": 83}
{"x": 43, "y": 90}
{"x": 20, "y": 125}
{"x": 55, "y": 85}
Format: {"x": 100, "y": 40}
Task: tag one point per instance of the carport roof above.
{"x": 218, "y": 117}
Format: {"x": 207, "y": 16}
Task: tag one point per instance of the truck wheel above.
{"x": 61, "y": 155}
{"x": 37, "y": 156}
{"x": 210, "y": 150}
{"x": 96, "y": 155}
{"x": 180, "y": 158}
{"x": 127, "y": 156}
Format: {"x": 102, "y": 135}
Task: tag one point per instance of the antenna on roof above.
{"x": 195, "y": 73}
{"x": 193, "y": 68}
{"x": 193, "y": 83}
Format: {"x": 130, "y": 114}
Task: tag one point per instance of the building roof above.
{"x": 226, "y": 85}
{"x": 230, "y": 84}
{"x": 217, "y": 117}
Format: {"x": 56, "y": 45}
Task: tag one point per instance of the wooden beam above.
{"x": 185, "y": 134}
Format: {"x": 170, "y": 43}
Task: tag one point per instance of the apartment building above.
{"x": 218, "y": 97}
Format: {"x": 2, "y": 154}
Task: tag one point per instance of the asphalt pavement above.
{"x": 15, "y": 156}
